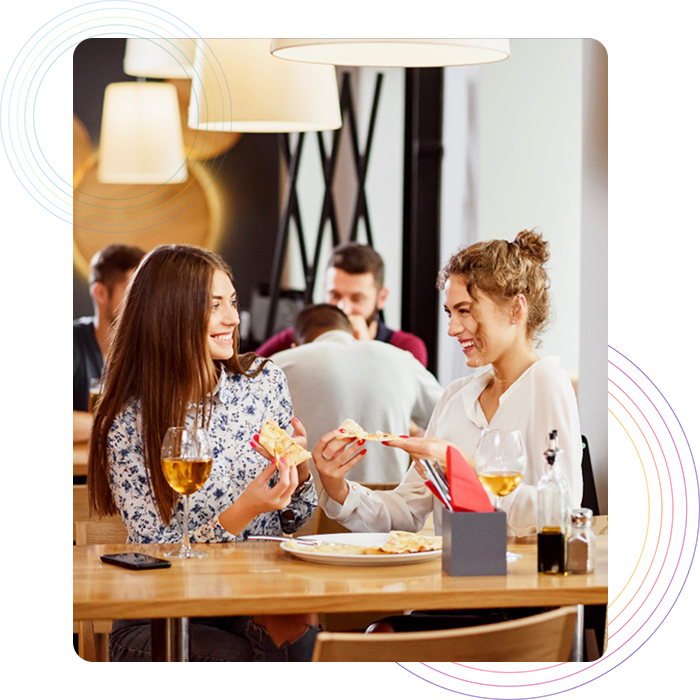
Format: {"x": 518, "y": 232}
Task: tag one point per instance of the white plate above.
{"x": 364, "y": 539}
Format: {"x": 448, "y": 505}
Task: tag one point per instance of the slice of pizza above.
{"x": 401, "y": 542}
{"x": 279, "y": 444}
{"x": 355, "y": 430}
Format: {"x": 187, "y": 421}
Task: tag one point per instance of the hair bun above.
{"x": 533, "y": 245}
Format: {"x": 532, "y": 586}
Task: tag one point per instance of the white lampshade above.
{"x": 239, "y": 86}
{"x": 393, "y": 52}
{"x": 159, "y": 58}
{"x": 141, "y": 135}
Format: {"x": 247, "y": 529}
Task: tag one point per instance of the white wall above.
{"x": 593, "y": 382}
{"x": 513, "y": 145}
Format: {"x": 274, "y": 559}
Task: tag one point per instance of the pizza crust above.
{"x": 279, "y": 444}
{"x": 354, "y": 430}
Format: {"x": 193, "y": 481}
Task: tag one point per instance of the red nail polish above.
{"x": 256, "y": 438}
{"x": 364, "y": 452}
{"x": 342, "y": 430}
{"x": 360, "y": 442}
{"x": 403, "y": 436}
{"x": 384, "y": 442}
{"x": 252, "y": 444}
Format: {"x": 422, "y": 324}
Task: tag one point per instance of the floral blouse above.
{"x": 240, "y": 405}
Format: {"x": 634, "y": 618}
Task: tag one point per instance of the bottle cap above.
{"x": 581, "y": 516}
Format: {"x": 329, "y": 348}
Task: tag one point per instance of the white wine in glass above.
{"x": 501, "y": 460}
{"x": 186, "y": 458}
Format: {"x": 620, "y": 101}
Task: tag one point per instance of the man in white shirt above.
{"x": 332, "y": 376}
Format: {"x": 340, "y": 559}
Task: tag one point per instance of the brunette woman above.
{"x": 174, "y": 361}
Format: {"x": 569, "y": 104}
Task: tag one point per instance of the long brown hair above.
{"x": 159, "y": 357}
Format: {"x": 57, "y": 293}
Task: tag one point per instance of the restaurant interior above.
{"x": 417, "y": 149}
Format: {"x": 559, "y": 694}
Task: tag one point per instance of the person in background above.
{"x": 174, "y": 361}
{"x": 110, "y": 271}
{"x": 355, "y": 284}
{"x": 333, "y": 376}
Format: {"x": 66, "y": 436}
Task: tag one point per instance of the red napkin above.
{"x": 466, "y": 490}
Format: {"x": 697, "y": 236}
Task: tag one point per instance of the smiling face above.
{"x": 355, "y": 294}
{"x": 224, "y": 317}
{"x": 483, "y": 341}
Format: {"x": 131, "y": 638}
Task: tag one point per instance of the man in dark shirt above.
{"x": 355, "y": 284}
{"x": 110, "y": 271}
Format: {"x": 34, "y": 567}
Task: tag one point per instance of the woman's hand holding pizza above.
{"x": 431, "y": 448}
{"x": 334, "y": 456}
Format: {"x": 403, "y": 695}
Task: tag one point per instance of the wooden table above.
{"x": 252, "y": 578}
{"x": 80, "y": 456}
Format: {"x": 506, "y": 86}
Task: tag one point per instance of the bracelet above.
{"x": 304, "y": 484}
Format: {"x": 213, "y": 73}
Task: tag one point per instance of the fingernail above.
{"x": 364, "y": 452}
{"x": 256, "y": 438}
{"x": 252, "y": 444}
{"x": 283, "y": 461}
{"x": 403, "y": 436}
{"x": 384, "y": 442}
{"x": 360, "y": 442}
{"x": 342, "y": 430}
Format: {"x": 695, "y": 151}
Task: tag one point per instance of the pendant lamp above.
{"x": 159, "y": 58}
{"x": 141, "y": 135}
{"x": 408, "y": 53}
{"x": 239, "y": 86}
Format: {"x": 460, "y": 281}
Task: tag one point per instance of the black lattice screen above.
{"x": 290, "y": 208}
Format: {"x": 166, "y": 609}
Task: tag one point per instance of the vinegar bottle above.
{"x": 552, "y": 513}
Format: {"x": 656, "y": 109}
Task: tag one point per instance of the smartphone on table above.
{"x": 135, "y": 560}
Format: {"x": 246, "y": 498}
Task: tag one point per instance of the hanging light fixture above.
{"x": 141, "y": 135}
{"x": 239, "y": 86}
{"x": 159, "y": 58}
{"x": 408, "y": 53}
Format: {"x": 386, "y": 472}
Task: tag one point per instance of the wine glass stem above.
{"x": 499, "y": 502}
{"x": 186, "y": 525}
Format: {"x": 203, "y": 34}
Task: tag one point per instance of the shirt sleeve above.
{"x": 555, "y": 408}
{"x": 428, "y": 392}
{"x": 280, "y": 341}
{"x": 411, "y": 343}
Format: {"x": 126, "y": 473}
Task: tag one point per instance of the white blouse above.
{"x": 541, "y": 400}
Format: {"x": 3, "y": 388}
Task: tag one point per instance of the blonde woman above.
{"x": 497, "y": 300}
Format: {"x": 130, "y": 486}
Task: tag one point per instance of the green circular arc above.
{"x": 37, "y": 68}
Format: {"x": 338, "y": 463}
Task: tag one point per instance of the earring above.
{"x": 512, "y": 321}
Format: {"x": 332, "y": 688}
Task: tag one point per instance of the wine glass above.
{"x": 186, "y": 458}
{"x": 501, "y": 460}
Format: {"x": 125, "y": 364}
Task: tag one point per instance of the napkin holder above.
{"x": 474, "y": 544}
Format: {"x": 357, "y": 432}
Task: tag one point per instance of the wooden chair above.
{"x": 540, "y": 638}
{"x": 93, "y": 635}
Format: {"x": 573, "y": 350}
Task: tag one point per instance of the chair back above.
{"x": 81, "y": 508}
{"x": 590, "y": 497}
{"x": 105, "y": 531}
{"x": 546, "y": 637}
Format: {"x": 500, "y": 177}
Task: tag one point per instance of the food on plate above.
{"x": 354, "y": 430}
{"x": 399, "y": 542}
{"x": 280, "y": 445}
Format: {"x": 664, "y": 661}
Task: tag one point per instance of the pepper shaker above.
{"x": 580, "y": 548}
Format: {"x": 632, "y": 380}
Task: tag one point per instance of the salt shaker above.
{"x": 580, "y": 548}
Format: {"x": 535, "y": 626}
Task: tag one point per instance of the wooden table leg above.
{"x": 170, "y": 639}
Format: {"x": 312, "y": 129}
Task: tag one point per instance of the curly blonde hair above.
{"x": 503, "y": 270}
